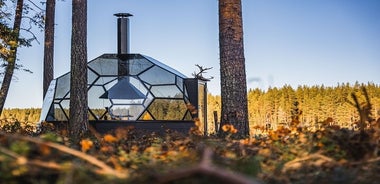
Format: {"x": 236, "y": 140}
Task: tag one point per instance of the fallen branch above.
{"x": 104, "y": 168}
{"x": 21, "y": 160}
{"x": 205, "y": 167}
{"x": 295, "y": 163}
{"x": 377, "y": 159}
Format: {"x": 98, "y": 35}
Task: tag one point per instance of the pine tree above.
{"x": 78, "y": 121}
{"x": 232, "y": 66}
{"x": 49, "y": 45}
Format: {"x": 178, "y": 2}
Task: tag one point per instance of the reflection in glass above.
{"x": 180, "y": 83}
{"x": 167, "y": 109}
{"x": 146, "y": 116}
{"x": 166, "y": 67}
{"x": 91, "y": 77}
{"x": 105, "y": 80}
{"x": 65, "y": 104}
{"x": 109, "y": 84}
{"x": 104, "y": 66}
{"x": 138, "y": 65}
{"x": 170, "y": 91}
{"x": 163, "y": 95}
{"x": 148, "y": 100}
{"x": 58, "y": 113}
{"x": 63, "y": 86}
{"x": 126, "y": 112}
{"x": 188, "y": 116}
{"x": 97, "y": 105}
{"x": 127, "y": 101}
{"x": 157, "y": 75}
{"x": 48, "y": 101}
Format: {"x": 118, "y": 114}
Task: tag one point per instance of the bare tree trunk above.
{"x": 49, "y": 45}
{"x": 11, "y": 60}
{"x": 232, "y": 67}
{"x": 78, "y": 123}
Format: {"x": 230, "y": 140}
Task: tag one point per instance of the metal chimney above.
{"x": 122, "y": 33}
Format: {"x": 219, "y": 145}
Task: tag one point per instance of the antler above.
{"x": 202, "y": 70}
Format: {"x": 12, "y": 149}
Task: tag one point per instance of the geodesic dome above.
{"x": 136, "y": 88}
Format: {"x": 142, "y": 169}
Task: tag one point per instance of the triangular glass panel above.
{"x": 146, "y": 116}
{"x": 123, "y": 90}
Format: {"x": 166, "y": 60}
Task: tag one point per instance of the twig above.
{"x": 365, "y": 161}
{"x": 48, "y": 165}
{"x": 104, "y": 168}
{"x": 291, "y": 163}
{"x": 31, "y": 2}
{"x": 202, "y": 70}
{"x": 21, "y": 160}
{"x": 205, "y": 167}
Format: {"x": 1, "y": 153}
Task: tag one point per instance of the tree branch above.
{"x": 34, "y": 4}
{"x": 21, "y": 160}
{"x": 202, "y": 70}
{"x": 104, "y": 168}
{"x": 205, "y": 167}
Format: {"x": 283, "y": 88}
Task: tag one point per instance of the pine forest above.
{"x": 313, "y": 107}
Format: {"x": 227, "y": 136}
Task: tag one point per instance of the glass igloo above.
{"x": 138, "y": 89}
{"x": 130, "y": 89}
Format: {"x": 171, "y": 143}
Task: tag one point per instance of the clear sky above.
{"x": 295, "y": 42}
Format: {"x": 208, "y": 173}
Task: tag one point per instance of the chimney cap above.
{"x": 122, "y": 15}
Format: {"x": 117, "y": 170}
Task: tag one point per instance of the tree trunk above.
{"x": 232, "y": 67}
{"x": 49, "y": 45}
{"x": 78, "y": 123}
{"x": 11, "y": 60}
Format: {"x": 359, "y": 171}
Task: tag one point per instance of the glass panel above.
{"x": 148, "y": 100}
{"x": 137, "y": 83}
{"x": 65, "y": 104}
{"x": 126, "y": 112}
{"x": 104, "y": 66}
{"x": 91, "y": 117}
{"x": 48, "y": 100}
{"x": 188, "y": 116}
{"x": 146, "y": 116}
{"x": 157, "y": 75}
{"x": 127, "y": 101}
{"x": 165, "y": 109}
{"x": 91, "y": 76}
{"x": 185, "y": 92}
{"x": 180, "y": 83}
{"x": 166, "y": 67}
{"x": 128, "y": 90}
{"x": 50, "y": 115}
{"x": 148, "y": 86}
{"x": 105, "y": 80}
{"x": 171, "y": 91}
{"x": 187, "y": 101}
{"x": 137, "y": 65}
{"x": 95, "y": 103}
{"x": 59, "y": 114}
{"x": 110, "y": 84}
{"x": 63, "y": 86}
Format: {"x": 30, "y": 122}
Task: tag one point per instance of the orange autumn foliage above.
{"x": 86, "y": 145}
{"x": 110, "y": 138}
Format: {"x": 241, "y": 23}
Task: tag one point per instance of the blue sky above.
{"x": 295, "y": 42}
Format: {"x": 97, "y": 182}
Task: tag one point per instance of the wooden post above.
{"x": 216, "y": 121}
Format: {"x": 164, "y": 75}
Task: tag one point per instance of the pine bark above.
{"x": 232, "y": 66}
{"x": 11, "y": 60}
{"x": 78, "y": 121}
{"x": 49, "y": 45}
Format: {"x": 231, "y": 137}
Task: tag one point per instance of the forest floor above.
{"x": 127, "y": 155}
